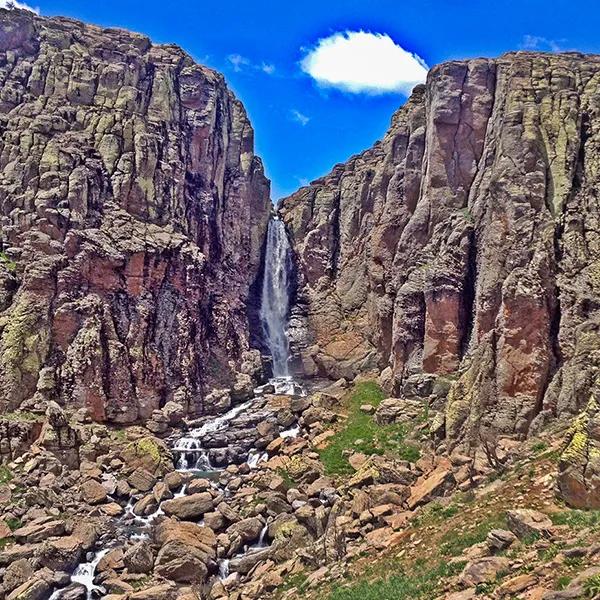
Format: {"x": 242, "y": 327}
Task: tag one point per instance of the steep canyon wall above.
{"x": 132, "y": 215}
{"x": 465, "y": 244}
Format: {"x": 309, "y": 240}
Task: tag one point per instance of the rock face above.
{"x": 464, "y": 245}
{"x": 129, "y": 197}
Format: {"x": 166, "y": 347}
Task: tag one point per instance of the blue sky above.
{"x": 303, "y": 128}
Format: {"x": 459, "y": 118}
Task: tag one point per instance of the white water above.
{"x": 275, "y": 301}
{"x": 84, "y": 574}
{"x": 192, "y": 455}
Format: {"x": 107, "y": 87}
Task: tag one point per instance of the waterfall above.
{"x": 275, "y": 299}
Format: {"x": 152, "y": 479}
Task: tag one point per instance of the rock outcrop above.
{"x": 464, "y": 245}
{"x": 130, "y": 196}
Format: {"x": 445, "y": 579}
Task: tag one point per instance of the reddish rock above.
{"x": 127, "y": 215}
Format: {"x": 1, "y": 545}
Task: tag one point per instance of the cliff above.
{"x": 463, "y": 248}
{"x": 129, "y": 197}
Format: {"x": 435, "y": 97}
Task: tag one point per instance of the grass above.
{"x": 21, "y": 416}
{"x": 591, "y": 586}
{"x": 5, "y": 474}
{"x": 11, "y": 265}
{"x": 13, "y": 523}
{"x": 577, "y": 519}
{"x": 296, "y": 580}
{"x": 361, "y": 433}
{"x": 453, "y": 542}
{"x": 420, "y": 582}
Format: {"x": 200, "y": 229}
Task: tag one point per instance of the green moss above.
{"x": 361, "y": 433}
{"x": 150, "y": 447}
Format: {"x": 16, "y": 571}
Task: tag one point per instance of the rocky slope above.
{"x": 462, "y": 250}
{"x": 129, "y": 196}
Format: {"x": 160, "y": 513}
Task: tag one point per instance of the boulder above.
{"x": 189, "y": 507}
{"x": 525, "y": 522}
{"x": 16, "y": 574}
{"x": 38, "y": 531}
{"x": 483, "y": 570}
{"x": 141, "y": 480}
{"x": 93, "y": 492}
{"x": 186, "y": 551}
{"x": 139, "y": 558}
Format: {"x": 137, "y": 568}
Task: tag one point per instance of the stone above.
{"x": 500, "y": 539}
{"x": 16, "y": 574}
{"x": 34, "y": 589}
{"x": 430, "y": 486}
{"x": 484, "y": 569}
{"x": 139, "y": 558}
{"x": 524, "y": 522}
{"x": 61, "y": 554}
{"x": 185, "y": 551}
{"x": 515, "y": 585}
{"x": 39, "y": 531}
{"x": 93, "y": 492}
{"x": 189, "y": 507}
{"x": 141, "y": 480}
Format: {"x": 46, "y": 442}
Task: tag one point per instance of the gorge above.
{"x": 384, "y": 385}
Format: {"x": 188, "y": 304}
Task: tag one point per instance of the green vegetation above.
{"x": 13, "y": 523}
{"x": 5, "y": 474}
{"x": 419, "y": 582}
{"x": 591, "y": 586}
{"x": 295, "y": 580}
{"x": 287, "y": 478}
{"x": 21, "y": 416}
{"x": 11, "y": 265}
{"x": 563, "y": 581}
{"x": 361, "y": 433}
{"x": 453, "y": 542}
{"x": 577, "y": 519}
{"x": 539, "y": 447}
{"x": 435, "y": 513}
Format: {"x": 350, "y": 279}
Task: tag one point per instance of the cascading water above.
{"x": 275, "y": 301}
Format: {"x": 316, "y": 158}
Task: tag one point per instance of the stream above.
{"x": 229, "y": 438}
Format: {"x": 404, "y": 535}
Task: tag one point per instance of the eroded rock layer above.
{"x": 465, "y": 245}
{"x": 129, "y": 197}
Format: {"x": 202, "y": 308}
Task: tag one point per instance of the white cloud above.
{"x": 238, "y": 62}
{"x": 299, "y": 117}
{"x": 241, "y": 63}
{"x": 15, "y": 4}
{"x": 360, "y": 61}
{"x": 537, "y": 42}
